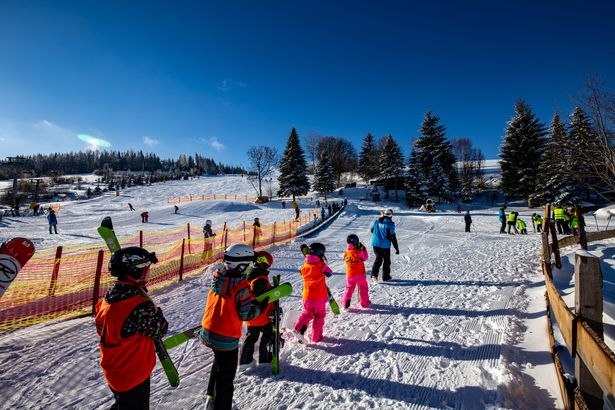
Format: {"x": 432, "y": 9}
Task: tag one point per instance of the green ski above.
{"x": 277, "y": 338}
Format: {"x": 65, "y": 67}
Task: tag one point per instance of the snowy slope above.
{"x": 461, "y": 325}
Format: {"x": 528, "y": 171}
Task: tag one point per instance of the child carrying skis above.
{"x": 315, "y": 295}
{"x": 355, "y": 256}
{"x": 229, "y": 303}
{"x": 128, "y": 322}
{"x": 258, "y": 279}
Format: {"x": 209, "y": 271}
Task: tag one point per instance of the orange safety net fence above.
{"x": 211, "y": 197}
{"x": 68, "y": 281}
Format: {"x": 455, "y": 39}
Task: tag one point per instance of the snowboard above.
{"x": 278, "y": 342}
{"x": 273, "y": 294}
{"x": 335, "y": 308}
{"x": 14, "y": 254}
{"x": 106, "y": 231}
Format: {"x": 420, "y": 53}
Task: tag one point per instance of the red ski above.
{"x": 14, "y": 254}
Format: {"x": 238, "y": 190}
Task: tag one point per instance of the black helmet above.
{"x": 352, "y": 239}
{"x": 132, "y": 261}
{"x": 317, "y": 249}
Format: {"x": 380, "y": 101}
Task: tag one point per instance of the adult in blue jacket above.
{"x": 383, "y": 235}
{"x": 502, "y": 218}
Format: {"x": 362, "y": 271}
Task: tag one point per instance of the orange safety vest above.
{"x": 128, "y": 362}
{"x": 263, "y": 318}
{"x": 221, "y": 315}
{"x": 314, "y": 285}
{"x": 354, "y": 265}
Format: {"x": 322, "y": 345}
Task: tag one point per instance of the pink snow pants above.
{"x": 360, "y": 281}
{"x": 316, "y": 310}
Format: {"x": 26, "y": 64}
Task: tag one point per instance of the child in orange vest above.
{"x": 315, "y": 296}
{"x": 355, "y": 256}
{"x": 229, "y": 303}
{"x": 258, "y": 279}
{"x": 128, "y": 322}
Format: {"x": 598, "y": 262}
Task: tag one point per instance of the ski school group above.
{"x": 131, "y": 327}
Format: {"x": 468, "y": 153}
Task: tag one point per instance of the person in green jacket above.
{"x": 537, "y": 221}
{"x": 512, "y": 221}
{"x": 522, "y": 226}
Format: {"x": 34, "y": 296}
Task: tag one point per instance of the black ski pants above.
{"x": 560, "y": 224}
{"x": 221, "y": 378}
{"x": 468, "y": 226}
{"x": 136, "y": 398}
{"x": 265, "y": 351}
{"x": 383, "y": 258}
{"x": 503, "y": 227}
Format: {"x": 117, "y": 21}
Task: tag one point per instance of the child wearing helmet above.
{"x": 258, "y": 279}
{"x": 208, "y": 240}
{"x": 230, "y": 302}
{"x": 355, "y": 257}
{"x": 128, "y": 322}
{"x": 315, "y": 296}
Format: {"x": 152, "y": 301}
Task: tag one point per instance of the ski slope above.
{"x": 461, "y": 325}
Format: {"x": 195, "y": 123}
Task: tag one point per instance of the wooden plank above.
{"x": 563, "y": 316}
{"x": 599, "y": 358}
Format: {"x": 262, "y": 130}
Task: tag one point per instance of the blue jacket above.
{"x": 53, "y": 220}
{"x": 502, "y": 215}
{"x": 383, "y": 232}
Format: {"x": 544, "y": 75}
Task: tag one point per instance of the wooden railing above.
{"x": 582, "y": 330}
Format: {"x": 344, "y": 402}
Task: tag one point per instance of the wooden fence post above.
{"x": 189, "y": 239}
{"x": 581, "y": 222}
{"x": 554, "y": 244}
{"x": 225, "y": 236}
{"x": 99, "y": 263}
{"x": 181, "y": 261}
{"x": 55, "y": 272}
{"x": 588, "y": 306}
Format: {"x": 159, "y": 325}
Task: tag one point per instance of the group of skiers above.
{"x": 128, "y": 322}
{"x": 513, "y": 221}
{"x": 565, "y": 221}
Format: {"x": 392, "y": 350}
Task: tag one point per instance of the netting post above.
{"x": 273, "y": 233}
{"x": 225, "y": 236}
{"x": 181, "y": 261}
{"x": 189, "y": 239}
{"x": 55, "y": 272}
{"x": 244, "y": 232}
{"x": 141, "y": 239}
{"x": 99, "y": 264}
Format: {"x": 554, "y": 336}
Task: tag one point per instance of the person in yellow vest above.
{"x": 128, "y": 322}
{"x": 230, "y": 302}
{"x": 512, "y": 221}
{"x": 559, "y": 215}
{"x": 537, "y": 221}
{"x": 258, "y": 278}
{"x": 522, "y": 226}
{"x": 574, "y": 224}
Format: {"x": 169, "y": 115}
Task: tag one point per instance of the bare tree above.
{"x": 262, "y": 159}
{"x": 312, "y": 140}
{"x": 342, "y": 153}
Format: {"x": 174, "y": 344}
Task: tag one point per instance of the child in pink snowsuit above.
{"x": 355, "y": 256}
{"x": 315, "y": 295}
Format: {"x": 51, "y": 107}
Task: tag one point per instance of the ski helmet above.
{"x": 317, "y": 249}
{"x": 264, "y": 259}
{"x": 239, "y": 256}
{"x": 352, "y": 239}
{"x": 208, "y": 222}
{"x": 388, "y": 212}
{"x": 132, "y": 262}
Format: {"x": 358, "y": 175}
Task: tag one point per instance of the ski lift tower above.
{"x": 15, "y": 163}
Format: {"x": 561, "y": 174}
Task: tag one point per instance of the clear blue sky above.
{"x": 218, "y": 77}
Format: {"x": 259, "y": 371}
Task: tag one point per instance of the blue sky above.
{"x": 217, "y": 78}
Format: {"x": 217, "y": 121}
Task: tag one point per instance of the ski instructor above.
{"x": 383, "y": 235}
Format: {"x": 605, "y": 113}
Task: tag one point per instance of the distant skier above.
{"x": 315, "y": 295}
{"x": 130, "y": 207}
{"x": 144, "y": 216}
{"x": 468, "y": 220}
{"x": 383, "y": 236}
{"x": 208, "y": 241}
{"x": 258, "y": 279}
{"x": 128, "y": 322}
{"x": 502, "y": 219}
{"x": 257, "y": 231}
{"x": 355, "y": 257}
{"x": 53, "y": 221}
{"x": 537, "y": 221}
{"x": 229, "y": 303}
{"x": 512, "y": 221}
{"x": 297, "y": 212}
{"x": 176, "y": 209}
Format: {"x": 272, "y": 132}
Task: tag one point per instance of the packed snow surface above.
{"x": 461, "y": 325}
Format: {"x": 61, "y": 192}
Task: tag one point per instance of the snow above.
{"x": 461, "y": 325}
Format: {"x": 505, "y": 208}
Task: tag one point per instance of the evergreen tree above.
{"x": 585, "y": 160}
{"x": 324, "y": 177}
{"x": 293, "y": 178}
{"x": 391, "y": 162}
{"x": 521, "y": 152}
{"x": 416, "y": 193}
{"x": 368, "y": 159}
{"x": 432, "y": 147}
{"x": 437, "y": 182}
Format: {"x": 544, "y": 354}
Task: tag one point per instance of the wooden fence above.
{"x": 582, "y": 330}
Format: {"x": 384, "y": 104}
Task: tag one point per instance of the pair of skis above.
{"x": 108, "y": 234}
{"x": 14, "y": 254}
{"x": 335, "y": 308}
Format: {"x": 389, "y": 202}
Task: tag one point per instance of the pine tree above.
{"x": 585, "y": 159}
{"x": 368, "y": 159}
{"x": 521, "y": 152}
{"x": 324, "y": 177}
{"x": 391, "y": 162}
{"x": 416, "y": 193}
{"x": 293, "y": 178}
{"x": 432, "y": 147}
